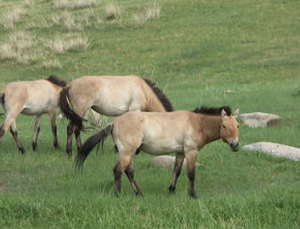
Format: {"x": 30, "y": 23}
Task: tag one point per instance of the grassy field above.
{"x": 197, "y": 50}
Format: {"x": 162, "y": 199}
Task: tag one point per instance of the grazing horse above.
{"x": 180, "y": 132}
{"x": 108, "y": 95}
{"x": 31, "y": 98}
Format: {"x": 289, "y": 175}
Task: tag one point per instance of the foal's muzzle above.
{"x": 234, "y": 144}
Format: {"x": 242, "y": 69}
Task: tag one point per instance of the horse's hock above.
{"x": 275, "y": 149}
{"x": 258, "y": 119}
{"x": 167, "y": 162}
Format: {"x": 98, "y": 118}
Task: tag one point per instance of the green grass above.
{"x": 196, "y": 50}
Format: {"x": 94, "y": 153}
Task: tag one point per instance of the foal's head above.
{"x": 229, "y": 129}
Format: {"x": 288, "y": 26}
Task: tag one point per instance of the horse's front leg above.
{"x": 176, "y": 172}
{"x": 191, "y": 157}
{"x": 36, "y": 130}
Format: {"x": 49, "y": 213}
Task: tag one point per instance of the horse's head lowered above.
{"x": 229, "y": 131}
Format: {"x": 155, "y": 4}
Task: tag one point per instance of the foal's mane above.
{"x": 55, "y": 80}
{"x": 160, "y": 95}
{"x": 213, "y": 110}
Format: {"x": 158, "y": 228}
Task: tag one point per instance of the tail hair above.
{"x": 90, "y": 144}
{"x": 67, "y": 110}
{"x": 2, "y": 95}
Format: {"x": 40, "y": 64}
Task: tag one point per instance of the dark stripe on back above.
{"x": 55, "y": 80}
{"x": 160, "y": 95}
{"x": 213, "y": 110}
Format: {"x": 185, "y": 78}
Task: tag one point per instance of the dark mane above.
{"x": 213, "y": 110}
{"x": 55, "y": 80}
{"x": 160, "y": 95}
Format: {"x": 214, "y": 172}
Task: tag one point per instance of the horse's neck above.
{"x": 211, "y": 127}
{"x": 154, "y": 104}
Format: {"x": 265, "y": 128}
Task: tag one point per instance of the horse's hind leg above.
{"x": 36, "y": 130}
{"x": 52, "y": 117}
{"x": 130, "y": 175}
{"x": 70, "y": 131}
{"x": 11, "y": 114}
{"x": 77, "y": 137}
{"x": 176, "y": 172}
{"x": 124, "y": 161}
{"x": 14, "y": 132}
{"x": 191, "y": 157}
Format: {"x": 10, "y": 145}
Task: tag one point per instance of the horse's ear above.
{"x": 236, "y": 113}
{"x": 223, "y": 113}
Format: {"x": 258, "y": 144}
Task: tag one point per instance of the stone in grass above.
{"x": 167, "y": 161}
{"x": 275, "y": 149}
{"x": 258, "y": 119}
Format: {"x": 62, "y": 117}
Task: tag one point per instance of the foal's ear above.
{"x": 237, "y": 112}
{"x": 223, "y": 113}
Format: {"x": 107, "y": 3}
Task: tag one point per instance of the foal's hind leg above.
{"x": 36, "y": 130}
{"x": 176, "y": 172}
{"x": 13, "y": 130}
{"x": 130, "y": 176}
{"x": 52, "y": 117}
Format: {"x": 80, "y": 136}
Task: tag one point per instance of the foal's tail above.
{"x": 67, "y": 110}
{"x": 90, "y": 143}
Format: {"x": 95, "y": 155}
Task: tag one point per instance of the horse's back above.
{"x": 159, "y": 133}
{"x": 38, "y": 96}
{"x": 109, "y": 95}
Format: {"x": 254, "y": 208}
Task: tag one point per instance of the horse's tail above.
{"x": 66, "y": 108}
{"x": 90, "y": 144}
{"x": 2, "y": 101}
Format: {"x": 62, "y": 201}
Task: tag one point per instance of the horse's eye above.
{"x": 238, "y": 126}
{"x": 223, "y": 126}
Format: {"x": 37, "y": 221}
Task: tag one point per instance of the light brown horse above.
{"x": 180, "y": 132}
{"x": 108, "y": 95}
{"x": 31, "y": 98}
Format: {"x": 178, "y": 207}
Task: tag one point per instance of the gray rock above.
{"x": 167, "y": 161}
{"x": 258, "y": 119}
{"x": 275, "y": 149}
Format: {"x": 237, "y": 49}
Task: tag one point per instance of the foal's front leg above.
{"x": 176, "y": 172}
{"x": 191, "y": 157}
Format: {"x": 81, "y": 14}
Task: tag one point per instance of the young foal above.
{"x": 108, "y": 95}
{"x": 31, "y": 98}
{"x": 180, "y": 132}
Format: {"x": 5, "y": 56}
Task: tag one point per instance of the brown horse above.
{"x": 180, "y": 132}
{"x": 108, "y": 95}
{"x": 31, "y": 98}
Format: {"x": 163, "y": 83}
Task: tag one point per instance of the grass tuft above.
{"x": 78, "y": 4}
{"x": 68, "y": 43}
{"x": 10, "y": 19}
{"x": 113, "y": 12}
{"x": 51, "y": 64}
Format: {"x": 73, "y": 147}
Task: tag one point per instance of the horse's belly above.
{"x": 161, "y": 149}
{"x": 111, "y": 110}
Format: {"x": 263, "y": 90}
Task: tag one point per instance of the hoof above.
{"x": 22, "y": 150}
{"x": 34, "y": 146}
{"x": 171, "y": 189}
